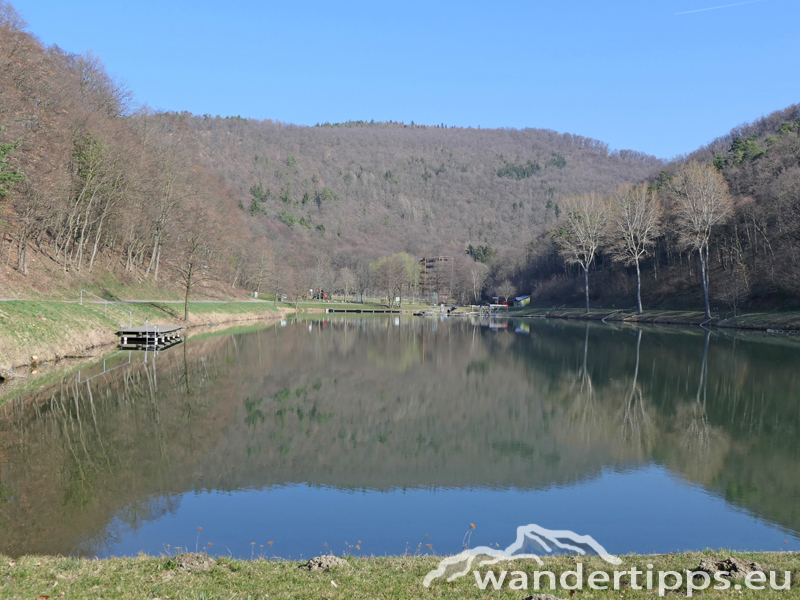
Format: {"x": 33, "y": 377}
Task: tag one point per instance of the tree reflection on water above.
{"x": 366, "y": 404}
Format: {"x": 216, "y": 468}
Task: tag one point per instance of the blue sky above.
{"x": 633, "y": 74}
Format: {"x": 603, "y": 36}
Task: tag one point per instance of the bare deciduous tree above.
{"x": 702, "y": 201}
{"x": 392, "y": 274}
{"x": 634, "y": 224}
{"x": 296, "y": 283}
{"x": 505, "y": 290}
{"x": 581, "y": 234}
{"x": 192, "y": 251}
{"x": 322, "y": 274}
{"x": 736, "y": 285}
{"x": 347, "y": 280}
{"x": 265, "y": 263}
{"x": 478, "y": 273}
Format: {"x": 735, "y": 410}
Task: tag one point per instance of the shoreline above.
{"x": 71, "y": 330}
{"x": 30, "y": 340}
{"x": 788, "y": 322}
{"x": 198, "y": 575}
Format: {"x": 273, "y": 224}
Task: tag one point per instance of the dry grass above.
{"x": 52, "y": 331}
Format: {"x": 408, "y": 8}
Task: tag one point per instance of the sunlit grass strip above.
{"x": 48, "y": 330}
{"x": 377, "y": 577}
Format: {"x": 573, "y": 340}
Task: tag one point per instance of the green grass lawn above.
{"x": 196, "y": 577}
{"x": 48, "y": 321}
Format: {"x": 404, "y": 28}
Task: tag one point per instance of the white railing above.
{"x": 105, "y": 371}
{"x": 105, "y": 304}
{"x": 616, "y": 312}
{"x": 704, "y": 323}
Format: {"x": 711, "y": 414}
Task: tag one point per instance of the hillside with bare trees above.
{"x": 719, "y": 227}
{"x": 88, "y": 185}
{"x": 404, "y": 187}
{"x": 93, "y": 184}
{"x": 96, "y": 188}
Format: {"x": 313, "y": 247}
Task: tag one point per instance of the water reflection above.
{"x": 456, "y": 416}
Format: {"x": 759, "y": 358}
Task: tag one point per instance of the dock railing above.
{"x": 105, "y": 370}
{"x": 707, "y": 321}
{"x": 616, "y": 312}
{"x": 105, "y": 305}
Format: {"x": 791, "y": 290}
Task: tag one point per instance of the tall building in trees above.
{"x": 435, "y": 278}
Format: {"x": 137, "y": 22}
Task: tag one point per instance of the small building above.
{"x": 522, "y": 300}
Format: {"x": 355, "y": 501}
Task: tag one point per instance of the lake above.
{"x": 392, "y": 435}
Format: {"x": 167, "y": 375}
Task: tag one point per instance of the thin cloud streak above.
{"x": 718, "y": 7}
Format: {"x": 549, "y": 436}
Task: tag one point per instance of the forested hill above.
{"x": 390, "y": 187}
{"x": 91, "y": 184}
{"x": 753, "y": 248}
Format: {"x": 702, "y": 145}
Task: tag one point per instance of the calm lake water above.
{"x": 391, "y": 435}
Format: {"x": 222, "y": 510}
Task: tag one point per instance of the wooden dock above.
{"x": 149, "y": 336}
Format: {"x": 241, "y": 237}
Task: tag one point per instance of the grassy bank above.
{"x": 34, "y": 330}
{"x": 198, "y": 577}
{"x": 30, "y": 379}
{"x": 49, "y": 330}
{"x": 784, "y": 321}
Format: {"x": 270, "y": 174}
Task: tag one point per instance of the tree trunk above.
{"x": 656, "y": 260}
{"x": 152, "y": 256}
{"x": 3, "y": 238}
{"x": 158, "y": 261}
{"x": 638, "y": 287}
{"x": 96, "y": 242}
{"x": 704, "y": 277}
{"x": 186, "y": 301}
{"x": 25, "y": 254}
{"x": 10, "y": 248}
{"x": 586, "y": 286}
{"x": 84, "y": 229}
{"x": 22, "y": 252}
{"x": 129, "y": 258}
